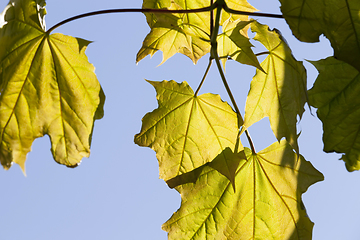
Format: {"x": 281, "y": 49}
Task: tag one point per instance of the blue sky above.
{"x": 116, "y": 193}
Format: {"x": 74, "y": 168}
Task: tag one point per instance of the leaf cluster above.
{"x": 47, "y": 86}
{"x": 225, "y": 187}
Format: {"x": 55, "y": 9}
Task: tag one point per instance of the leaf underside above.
{"x": 47, "y": 87}
{"x": 189, "y": 33}
{"x": 266, "y": 205}
{"x": 177, "y": 33}
{"x": 188, "y": 131}
{"x": 336, "y": 94}
{"x": 240, "y": 5}
{"x": 231, "y": 43}
{"x": 280, "y": 93}
{"x": 338, "y": 20}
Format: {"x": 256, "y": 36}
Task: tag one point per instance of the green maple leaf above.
{"x": 338, "y": 20}
{"x": 154, "y": 4}
{"x": 47, "y": 87}
{"x": 280, "y": 93}
{"x": 266, "y": 205}
{"x": 225, "y": 163}
{"x": 305, "y": 18}
{"x": 188, "y": 34}
{"x": 336, "y": 95}
{"x": 188, "y": 131}
{"x": 239, "y": 5}
{"x": 342, "y": 28}
{"x": 231, "y": 43}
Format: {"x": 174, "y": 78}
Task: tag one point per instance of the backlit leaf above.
{"x": 47, "y": 87}
{"x": 231, "y": 43}
{"x": 239, "y": 5}
{"x": 154, "y": 4}
{"x": 336, "y": 94}
{"x": 338, "y": 20}
{"x": 188, "y": 33}
{"x": 225, "y": 163}
{"x": 173, "y": 33}
{"x": 187, "y": 131}
{"x": 266, "y": 205}
{"x": 305, "y": 18}
{"x": 342, "y": 28}
{"x": 280, "y": 94}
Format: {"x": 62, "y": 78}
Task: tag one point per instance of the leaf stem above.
{"x": 214, "y": 55}
{"x": 218, "y": 64}
{"x": 204, "y": 77}
{"x": 262, "y": 53}
{"x": 222, "y": 75}
{"x": 211, "y": 18}
{"x": 250, "y": 141}
{"x": 125, "y": 10}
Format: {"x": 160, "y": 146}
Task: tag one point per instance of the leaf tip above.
{"x": 350, "y": 164}
{"x": 22, "y": 166}
{"x": 227, "y": 163}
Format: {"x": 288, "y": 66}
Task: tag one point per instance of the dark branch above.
{"x": 256, "y": 14}
{"x": 135, "y": 10}
{"x": 145, "y": 10}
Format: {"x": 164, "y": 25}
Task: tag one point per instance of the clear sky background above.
{"x": 116, "y": 193}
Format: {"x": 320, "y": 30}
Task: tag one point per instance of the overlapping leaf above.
{"x": 280, "y": 94}
{"x": 239, "y": 5}
{"x": 189, "y": 33}
{"x": 338, "y": 20}
{"x": 187, "y": 131}
{"x": 266, "y": 205}
{"x": 231, "y": 43}
{"x": 336, "y": 95}
{"x": 342, "y": 28}
{"x": 173, "y": 33}
{"x": 305, "y": 18}
{"x": 154, "y": 4}
{"x": 47, "y": 87}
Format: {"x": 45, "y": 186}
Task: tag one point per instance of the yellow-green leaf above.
{"x": 266, "y": 205}
{"x": 47, "y": 87}
{"x": 188, "y": 34}
{"x": 231, "y": 43}
{"x": 239, "y": 5}
{"x": 280, "y": 93}
{"x": 187, "y": 131}
{"x": 154, "y": 4}
{"x": 227, "y": 162}
{"x": 336, "y": 94}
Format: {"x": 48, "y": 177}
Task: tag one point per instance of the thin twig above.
{"x": 214, "y": 54}
{"x": 211, "y": 18}
{"x": 222, "y": 75}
